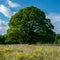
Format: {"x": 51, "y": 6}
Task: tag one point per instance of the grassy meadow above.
{"x": 29, "y": 52}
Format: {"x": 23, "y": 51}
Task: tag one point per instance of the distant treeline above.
{"x": 57, "y": 40}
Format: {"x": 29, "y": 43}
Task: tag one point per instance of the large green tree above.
{"x": 30, "y": 25}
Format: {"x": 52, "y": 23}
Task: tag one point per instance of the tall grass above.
{"x": 29, "y": 52}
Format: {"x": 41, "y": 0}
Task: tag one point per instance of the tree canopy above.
{"x": 30, "y": 25}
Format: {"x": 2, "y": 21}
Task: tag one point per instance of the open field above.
{"x": 29, "y": 52}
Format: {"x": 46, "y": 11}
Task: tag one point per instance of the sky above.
{"x": 10, "y": 7}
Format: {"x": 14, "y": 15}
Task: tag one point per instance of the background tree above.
{"x": 2, "y": 39}
{"x": 57, "y": 40}
{"x": 30, "y": 25}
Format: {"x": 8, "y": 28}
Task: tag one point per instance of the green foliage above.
{"x": 58, "y": 36}
{"x": 2, "y": 39}
{"x": 57, "y": 40}
{"x": 30, "y": 25}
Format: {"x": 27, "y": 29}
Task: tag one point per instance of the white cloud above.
{"x": 3, "y": 26}
{"x": 5, "y": 11}
{"x": 54, "y": 17}
{"x": 12, "y": 4}
{"x": 57, "y": 30}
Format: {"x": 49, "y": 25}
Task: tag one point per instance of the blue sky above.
{"x": 9, "y": 7}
